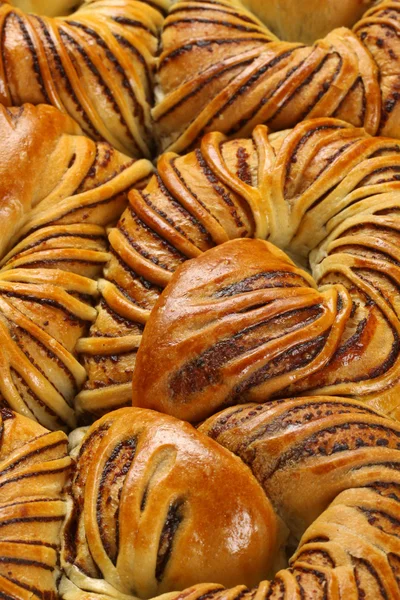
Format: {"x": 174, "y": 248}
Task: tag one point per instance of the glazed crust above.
{"x": 150, "y": 76}
{"x": 325, "y": 177}
{"x": 331, "y": 469}
{"x": 222, "y": 70}
{"x": 54, "y": 218}
{"x": 96, "y": 65}
{"x": 34, "y": 469}
{"x": 159, "y": 507}
{"x": 257, "y": 326}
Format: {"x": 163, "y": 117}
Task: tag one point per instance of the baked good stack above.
{"x": 219, "y": 333}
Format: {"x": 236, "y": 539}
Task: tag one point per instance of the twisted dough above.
{"x": 34, "y": 468}
{"x": 96, "y": 65}
{"x": 221, "y": 70}
{"x": 159, "y": 507}
{"x": 53, "y": 217}
{"x": 330, "y": 467}
{"x": 323, "y": 177}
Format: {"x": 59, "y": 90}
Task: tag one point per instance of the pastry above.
{"x": 159, "y": 507}
{"x": 222, "y": 70}
{"x": 329, "y": 466}
{"x": 327, "y": 194}
{"x": 150, "y": 76}
{"x": 34, "y": 470}
{"x": 96, "y": 65}
{"x": 53, "y": 245}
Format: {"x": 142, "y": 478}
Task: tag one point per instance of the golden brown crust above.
{"x": 256, "y": 327}
{"x": 54, "y": 216}
{"x": 165, "y": 224}
{"x": 95, "y": 64}
{"x": 324, "y": 177}
{"x": 34, "y": 469}
{"x": 219, "y": 68}
{"x": 227, "y": 73}
{"x": 159, "y": 507}
{"x": 331, "y": 469}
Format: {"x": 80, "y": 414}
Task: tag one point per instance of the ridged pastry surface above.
{"x": 150, "y": 76}
{"x": 96, "y": 64}
{"x": 325, "y": 192}
{"x": 34, "y": 470}
{"x": 159, "y": 506}
{"x": 221, "y": 70}
{"x": 52, "y": 250}
{"x": 240, "y": 323}
{"x": 330, "y": 467}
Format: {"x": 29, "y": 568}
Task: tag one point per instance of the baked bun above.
{"x": 259, "y": 329}
{"x": 226, "y": 72}
{"x": 326, "y": 193}
{"x": 256, "y": 327}
{"x": 159, "y": 507}
{"x": 149, "y": 76}
{"x": 329, "y": 465}
{"x": 34, "y": 469}
{"x": 59, "y": 190}
{"x": 95, "y": 64}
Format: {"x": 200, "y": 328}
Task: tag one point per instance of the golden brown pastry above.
{"x": 221, "y": 70}
{"x": 239, "y": 324}
{"x": 59, "y": 189}
{"x": 218, "y": 66}
{"x": 155, "y": 235}
{"x": 159, "y": 507}
{"x": 96, "y": 65}
{"x": 34, "y": 468}
{"x": 329, "y": 465}
{"x": 325, "y": 192}
{"x": 259, "y": 330}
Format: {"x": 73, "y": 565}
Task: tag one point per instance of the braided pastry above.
{"x": 219, "y": 68}
{"x": 95, "y": 64}
{"x": 330, "y": 467}
{"x": 54, "y": 219}
{"x": 158, "y": 507}
{"x": 34, "y": 468}
{"x": 222, "y": 70}
{"x": 323, "y": 177}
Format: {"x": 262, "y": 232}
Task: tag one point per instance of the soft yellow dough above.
{"x": 51, "y": 8}
{"x": 309, "y": 19}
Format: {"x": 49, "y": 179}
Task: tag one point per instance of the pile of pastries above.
{"x": 200, "y": 286}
